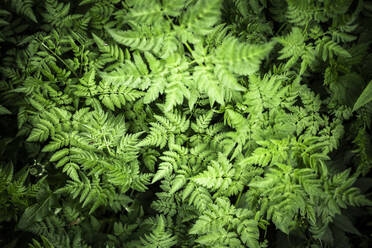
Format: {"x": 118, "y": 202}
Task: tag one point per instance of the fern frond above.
{"x": 218, "y": 176}
{"x": 240, "y": 58}
{"x": 45, "y": 243}
{"x": 145, "y": 13}
{"x": 198, "y": 197}
{"x": 90, "y": 192}
{"x": 99, "y": 14}
{"x": 364, "y": 98}
{"x": 173, "y": 7}
{"x": 222, "y": 223}
{"x": 170, "y": 124}
{"x": 209, "y": 84}
{"x": 116, "y": 95}
{"x": 200, "y": 17}
{"x": 294, "y": 48}
{"x": 24, "y": 7}
{"x": 302, "y": 12}
{"x": 135, "y": 39}
{"x": 327, "y": 48}
{"x": 111, "y": 53}
{"x": 202, "y": 122}
{"x": 159, "y": 237}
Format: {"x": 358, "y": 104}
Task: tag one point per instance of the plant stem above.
{"x": 237, "y": 200}
{"x": 59, "y": 58}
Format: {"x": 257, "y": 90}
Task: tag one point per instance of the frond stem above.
{"x": 239, "y": 196}
{"x": 59, "y": 58}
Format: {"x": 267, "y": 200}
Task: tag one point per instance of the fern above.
{"x": 327, "y": 48}
{"x": 210, "y": 231}
{"x": 111, "y": 53}
{"x": 242, "y": 59}
{"x": 24, "y": 7}
{"x": 201, "y": 17}
{"x": 52, "y": 234}
{"x": 159, "y": 237}
{"x": 296, "y": 48}
{"x": 185, "y": 123}
{"x": 172, "y": 123}
{"x": 364, "y": 98}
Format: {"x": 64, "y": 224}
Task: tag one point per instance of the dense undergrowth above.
{"x": 185, "y": 123}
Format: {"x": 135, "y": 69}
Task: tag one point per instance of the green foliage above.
{"x": 223, "y": 225}
{"x": 159, "y": 237}
{"x": 364, "y": 98}
{"x": 185, "y": 123}
{"x": 24, "y": 7}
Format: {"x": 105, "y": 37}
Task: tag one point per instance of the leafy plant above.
{"x": 185, "y": 123}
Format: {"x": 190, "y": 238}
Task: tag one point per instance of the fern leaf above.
{"x": 165, "y": 169}
{"x": 59, "y": 154}
{"x": 327, "y": 48}
{"x": 144, "y": 12}
{"x": 300, "y": 12}
{"x": 114, "y": 51}
{"x": 240, "y": 58}
{"x": 249, "y": 233}
{"x": 39, "y": 133}
{"x": 175, "y": 93}
{"x": 35, "y": 213}
{"x": 218, "y": 175}
{"x": 173, "y": 7}
{"x": 202, "y": 16}
{"x": 178, "y": 183}
{"x": 4, "y": 111}
{"x": 364, "y": 98}
{"x": 159, "y": 237}
{"x": 199, "y": 197}
{"x": 24, "y": 7}
{"x": 135, "y": 40}
{"x": 209, "y": 84}
{"x": 202, "y": 122}
{"x": 153, "y": 92}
